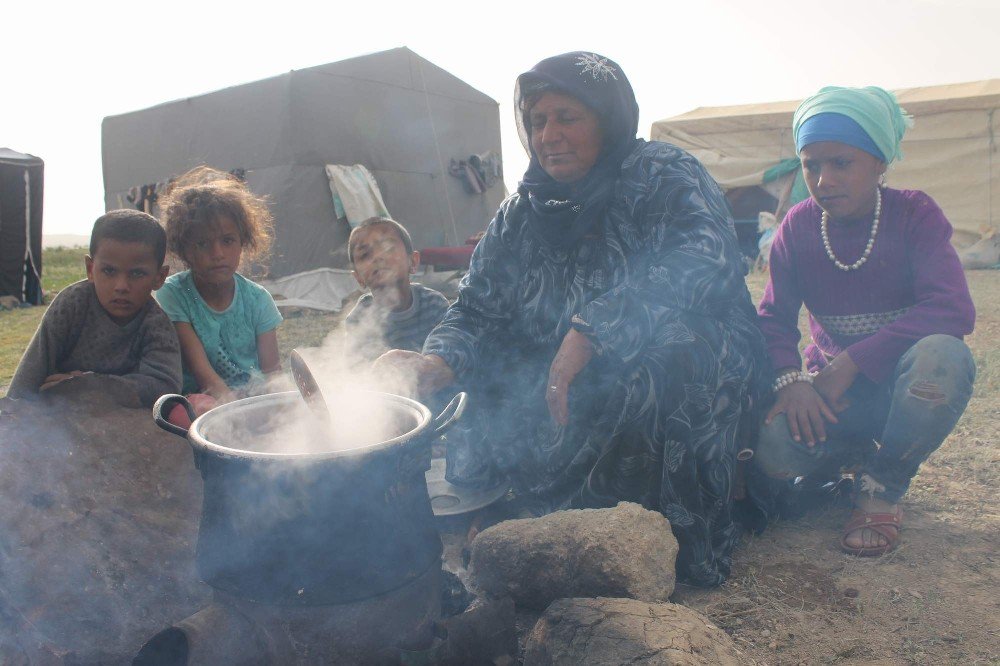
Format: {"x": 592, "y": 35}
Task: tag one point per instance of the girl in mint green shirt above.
{"x": 227, "y": 324}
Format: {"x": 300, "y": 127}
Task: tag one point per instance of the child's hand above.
{"x": 202, "y": 402}
{"x": 277, "y": 382}
{"x": 833, "y": 381}
{"x": 58, "y": 378}
{"x": 221, "y": 393}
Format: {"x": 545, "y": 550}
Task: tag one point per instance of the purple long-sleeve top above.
{"x": 911, "y": 286}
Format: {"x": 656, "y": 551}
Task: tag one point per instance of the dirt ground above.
{"x": 795, "y": 598}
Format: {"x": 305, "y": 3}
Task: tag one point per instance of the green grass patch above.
{"x": 61, "y": 267}
{"x": 16, "y": 329}
{"x": 306, "y": 329}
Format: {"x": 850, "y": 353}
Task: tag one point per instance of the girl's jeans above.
{"x": 909, "y": 416}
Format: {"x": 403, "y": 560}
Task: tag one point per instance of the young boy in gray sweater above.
{"x": 394, "y": 314}
{"x": 109, "y": 323}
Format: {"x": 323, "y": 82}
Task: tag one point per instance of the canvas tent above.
{"x": 950, "y": 152}
{"x": 394, "y": 113}
{"x": 21, "y": 180}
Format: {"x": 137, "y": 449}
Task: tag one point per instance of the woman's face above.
{"x": 842, "y": 179}
{"x": 566, "y": 136}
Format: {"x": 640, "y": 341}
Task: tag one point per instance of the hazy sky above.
{"x": 67, "y": 66}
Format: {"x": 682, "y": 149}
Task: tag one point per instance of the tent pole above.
{"x": 989, "y": 168}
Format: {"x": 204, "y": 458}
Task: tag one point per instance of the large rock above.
{"x": 627, "y": 551}
{"x": 484, "y": 634}
{"x": 99, "y": 514}
{"x": 625, "y": 631}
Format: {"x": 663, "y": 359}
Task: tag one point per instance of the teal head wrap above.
{"x": 875, "y": 110}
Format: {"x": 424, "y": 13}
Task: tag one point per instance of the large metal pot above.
{"x": 326, "y": 527}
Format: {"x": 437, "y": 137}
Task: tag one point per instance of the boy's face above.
{"x": 124, "y": 274}
{"x": 381, "y": 259}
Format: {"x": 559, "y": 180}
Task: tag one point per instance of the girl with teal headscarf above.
{"x": 886, "y": 372}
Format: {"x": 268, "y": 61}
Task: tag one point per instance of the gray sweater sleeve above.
{"x": 76, "y": 334}
{"x": 56, "y": 334}
{"x": 159, "y": 370}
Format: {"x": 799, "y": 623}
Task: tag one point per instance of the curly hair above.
{"x": 201, "y": 197}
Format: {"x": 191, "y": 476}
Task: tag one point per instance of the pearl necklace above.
{"x": 825, "y": 219}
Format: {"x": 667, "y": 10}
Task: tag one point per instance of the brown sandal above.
{"x": 888, "y": 525}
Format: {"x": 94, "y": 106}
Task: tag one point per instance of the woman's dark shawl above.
{"x": 562, "y": 213}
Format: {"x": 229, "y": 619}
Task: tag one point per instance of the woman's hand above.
{"x": 406, "y": 370}
{"x": 805, "y": 410}
{"x": 833, "y": 381}
{"x": 573, "y": 356}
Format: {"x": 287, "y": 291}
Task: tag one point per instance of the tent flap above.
{"x": 21, "y": 195}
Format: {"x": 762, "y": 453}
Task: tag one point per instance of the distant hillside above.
{"x": 64, "y": 240}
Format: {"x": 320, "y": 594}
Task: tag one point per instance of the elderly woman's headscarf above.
{"x": 562, "y": 213}
{"x": 866, "y": 118}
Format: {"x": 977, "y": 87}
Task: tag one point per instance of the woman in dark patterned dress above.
{"x": 604, "y": 324}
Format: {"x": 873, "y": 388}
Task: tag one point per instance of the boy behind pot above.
{"x": 394, "y": 313}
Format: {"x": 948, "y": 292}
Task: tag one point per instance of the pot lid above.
{"x": 450, "y": 500}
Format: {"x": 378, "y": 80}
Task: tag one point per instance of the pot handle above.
{"x": 450, "y": 414}
{"x": 162, "y": 409}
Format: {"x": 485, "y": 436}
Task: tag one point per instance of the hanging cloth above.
{"x": 356, "y": 195}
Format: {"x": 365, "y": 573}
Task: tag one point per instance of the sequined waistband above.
{"x": 858, "y": 324}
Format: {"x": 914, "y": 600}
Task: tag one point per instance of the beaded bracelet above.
{"x": 790, "y": 378}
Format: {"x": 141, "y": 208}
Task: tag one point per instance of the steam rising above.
{"x": 342, "y": 366}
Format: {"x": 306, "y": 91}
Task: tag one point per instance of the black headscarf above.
{"x": 563, "y": 213}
